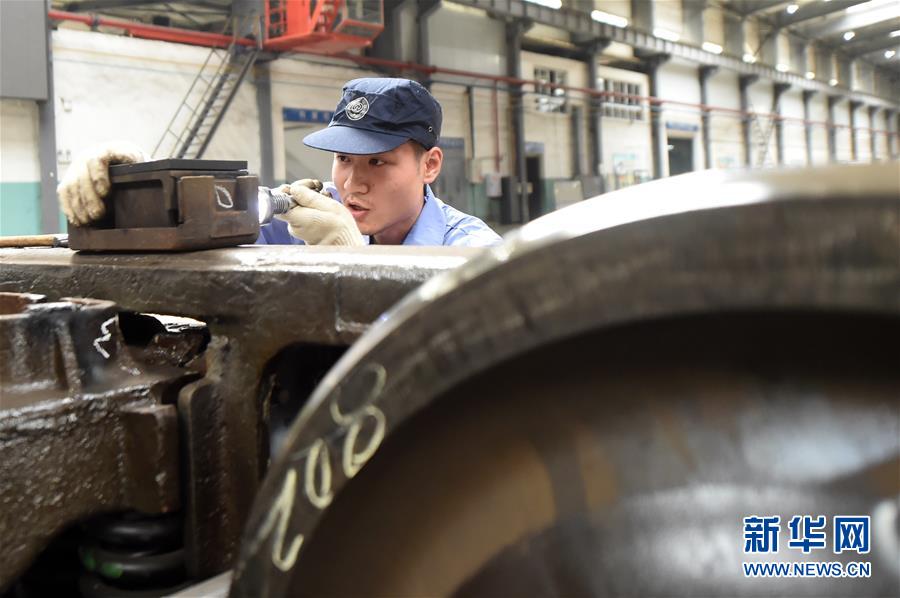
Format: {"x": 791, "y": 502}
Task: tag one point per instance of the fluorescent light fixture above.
{"x": 895, "y": 33}
{"x": 609, "y": 19}
{"x": 889, "y": 54}
{"x": 849, "y": 35}
{"x": 666, "y": 34}
{"x": 781, "y": 67}
{"x": 711, "y": 47}
{"x": 810, "y": 75}
{"x": 792, "y": 8}
{"x": 868, "y": 5}
{"x": 833, "y": 82}
{"x": 749, "y": 58}
{"x": 554, "y": 4}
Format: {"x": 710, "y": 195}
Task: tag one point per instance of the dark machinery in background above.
{"x": 589, "y": 409}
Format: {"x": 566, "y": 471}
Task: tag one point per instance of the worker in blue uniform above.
{"x": 384, "y": 136}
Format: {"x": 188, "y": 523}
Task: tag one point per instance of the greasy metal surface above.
{"x": 821, "y": 241}
{"x": 82, "y": 429}
{"x": 152, "y": 209}
{"x": 255, "y": 301}
{"x": 622, "y": 463}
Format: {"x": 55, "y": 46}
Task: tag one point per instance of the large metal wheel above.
{"x": 593, "y": 408}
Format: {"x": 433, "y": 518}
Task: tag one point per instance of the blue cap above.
{"x": 376, "y": 115}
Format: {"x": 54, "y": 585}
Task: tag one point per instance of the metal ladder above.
{"x": 205, "y": 103}
{"x": 765, "y": 136}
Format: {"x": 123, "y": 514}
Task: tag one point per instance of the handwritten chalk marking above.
{"x": 107, "y": 335}
{"x": 318, "y": 456}
{"x": 228, "y": 203}
{"x": 282, "y": 512}
{"x": 352, "y": 461}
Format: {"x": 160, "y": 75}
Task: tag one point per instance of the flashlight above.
{"x": 272, "y": 202}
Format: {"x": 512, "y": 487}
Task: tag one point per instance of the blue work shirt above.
{"x": 437, "y": 224}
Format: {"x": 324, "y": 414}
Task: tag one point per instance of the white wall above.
{"x": 725, "y": 127}
{"x": 19, "y": 141}
{"x": 678, "y": 81}
{"x": 114, "y": 87}
{"x": 313, "y": 84}
{"x": 818, "y": 113}
{"x": 793, "y": 130}
{"x": 842, "y": 132}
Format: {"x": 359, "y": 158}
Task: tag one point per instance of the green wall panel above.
{"x": 20, "y": 208}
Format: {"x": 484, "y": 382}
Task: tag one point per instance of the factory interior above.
{"x": 418, "y": 298}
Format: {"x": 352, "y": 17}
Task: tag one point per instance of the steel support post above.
{"x": 657, "y": 127}
{"x": 518, "y": 186}
{"x": 854, "y": 142}
{"x": 873, "y": 146}
{"x": 744, "y": 84}
{"x": 704, "y": 73}
{"x": 47, "y": 142}
{"x": 832, "y": 128}
{"x": 778, "y": 90}
{"x": 807, "y": 125}
{"x": 263, "y": 83}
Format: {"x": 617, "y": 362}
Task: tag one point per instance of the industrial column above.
{"x": 744, "y": 83}
{"x": 807, "y": 125}
{"x": 888, "y": 134}
{"x": 47, "y": 140}
{"x": 263, "y": 82}
{"x": 424, "y": 8}
{"x": 854, "y": 148}
{"x": 778, "y": 90}
{"x": 705, "y": 72}
{"x": 873, "y": 146}
{"x": 518, "y": 188}
{"x": 657, "y": 131}
{"x": 832, "y": 130}
{"x": 595, "y": 107}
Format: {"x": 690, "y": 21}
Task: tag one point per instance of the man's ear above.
{"x": 433, "y": 159}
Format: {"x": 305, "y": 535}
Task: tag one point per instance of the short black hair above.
{"x": 418, "y": 148}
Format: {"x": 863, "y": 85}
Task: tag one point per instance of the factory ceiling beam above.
{"x": 812, "y": 11}
{"x": 850, "y": 22}
{"x": 749, "y": 7}
{"x": 875, "y": 39}
{"x": 580, "y": 23}
{"x": 86, "y": 5}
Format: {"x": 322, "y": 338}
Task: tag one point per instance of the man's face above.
{"x": 384, "y": 192}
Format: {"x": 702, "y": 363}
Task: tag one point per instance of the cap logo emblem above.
{"x": 357, "y": 108}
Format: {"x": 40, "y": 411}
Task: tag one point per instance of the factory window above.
{"x": 549, "y": 98}
{"x": 625, "y": 100}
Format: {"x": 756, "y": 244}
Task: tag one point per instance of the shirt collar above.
{"x": 431, "y": 224}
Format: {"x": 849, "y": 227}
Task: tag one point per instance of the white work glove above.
{"x": 86, "y": 183}
{"x": 318, "y": 219}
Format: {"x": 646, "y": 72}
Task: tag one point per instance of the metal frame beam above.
{"x": 873, "y": 146}
{"x": 813, "y": 10}
{"x": 778, "y": 90}
{"x": 580, "y": 23}
{"x": 807, "y": 126}
{"x": 744, "y": 83}
{"x": 704, "y": 73}
{"x": 101, "y": 5}
{"x": 47, "y": 141}
{"x": 867, "y": 45}
{"x": 749, "y": 7}
{"x": 854, "y": 142}
{"x": 849, "y": 22}
{"x": 832, "y": 129}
